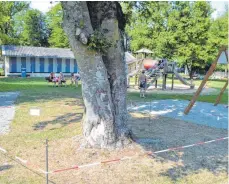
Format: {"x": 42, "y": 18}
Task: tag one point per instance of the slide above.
{"x": 154, "y": 79}
{"x": 183, "y": 80}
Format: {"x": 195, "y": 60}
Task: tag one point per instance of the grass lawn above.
{"x": 1, "y": 71}
{"x": 59, "y": 122}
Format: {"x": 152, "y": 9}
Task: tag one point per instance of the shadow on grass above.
{"x": 159, "y": 133}
{"x": 64, "y": 120}
{"x": 5, "y": 167}
{"x": 37, "y": 89}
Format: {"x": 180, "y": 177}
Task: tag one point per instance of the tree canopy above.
{"x": 57, "y": 37}
{"x": 176, "y": 30}
{"x": 34, "y": 30}
{"x": 180, "y": 31}
{"x": 8, "y": 10}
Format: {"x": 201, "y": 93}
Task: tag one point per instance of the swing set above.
{"x": 222, "y": 58}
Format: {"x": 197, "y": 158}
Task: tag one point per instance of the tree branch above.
{"x": 77, "y": 21}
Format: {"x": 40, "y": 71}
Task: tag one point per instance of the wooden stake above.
{"x": 47, "y": 165}
{"x": 209, "y": 73}
{"x": 220, "y": 94}
{"x": 164, "y": 82}
{"x": 172, "y": 81}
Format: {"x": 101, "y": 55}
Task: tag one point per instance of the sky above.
{"x": 219, "y": 6}
{"x": 44, "y": 6}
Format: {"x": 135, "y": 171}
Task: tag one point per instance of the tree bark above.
{"x": 103, "y": 75}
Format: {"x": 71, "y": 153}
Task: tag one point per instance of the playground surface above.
{"x": 177, "y": 89}
{"x": 7, "y": 110}
{"x": 202, "y": 113}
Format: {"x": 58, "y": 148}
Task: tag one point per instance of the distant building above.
{"x": 38, "y": 61}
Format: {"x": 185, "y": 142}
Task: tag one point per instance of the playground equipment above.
{"x": 149, "y": 63}
{"x": 144, "y": 52}
{"x": 138, "y": 68}
{"x": 222, "y": 58}
{"x": 154, "y": 69}
{"x": 162, "y": 70}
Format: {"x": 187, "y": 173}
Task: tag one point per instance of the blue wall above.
{"x": 23, "y": 62}
{"x": 59, "y": 65}
{"x": 42, "y": 65}
{"x": 32, "y": 64}
{"x": 13, "y": 64}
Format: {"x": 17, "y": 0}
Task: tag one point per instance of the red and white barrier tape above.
{"x": 187, "y": 146}
{"x": 115, "y": 160}
{"x": 21, "y": 160}
{"x": 24, "y": 162}
{"x": 91, "y": 164}
{"x": 149, "y": 153}
{"x": 3, "y": 150}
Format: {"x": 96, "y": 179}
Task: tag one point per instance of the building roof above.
{"x": 144, "y": 50}
{"x": 11, "y": 50}
{"x": 129, "y": 58}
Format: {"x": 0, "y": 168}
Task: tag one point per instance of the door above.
{"x": 50, "y": 69}
{"x": 42, "y": 65}
{"x": 75, "y": 66}
{"x": 23, "y": 62}
{"x": 67, "y": 70}
{"x": 59, "y": 65}
{"x": 13, "y": 64}
{"x": 32, "y": 64}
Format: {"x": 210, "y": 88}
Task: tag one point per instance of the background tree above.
{"x": 95, "y": 31}
{"x": 35, "y": 32}
{"x": 8, "y": 10}
{"x": 218, "y": 36}
{"x": 147, "y": 26}
{"x": 192, "y": 34}
{"x": 175, "y": 30}
{"x": 57, "y": 37}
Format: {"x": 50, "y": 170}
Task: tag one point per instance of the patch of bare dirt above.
{"x": 157, "y": 133}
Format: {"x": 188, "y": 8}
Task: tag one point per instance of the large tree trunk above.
{"x": 103, "y": 75}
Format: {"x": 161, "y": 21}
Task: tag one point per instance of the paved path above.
{"x": 202, "y": 113}
{"x": 7, "y": 110}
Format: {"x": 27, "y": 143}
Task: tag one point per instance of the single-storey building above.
{"x": 38, "y": 61}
